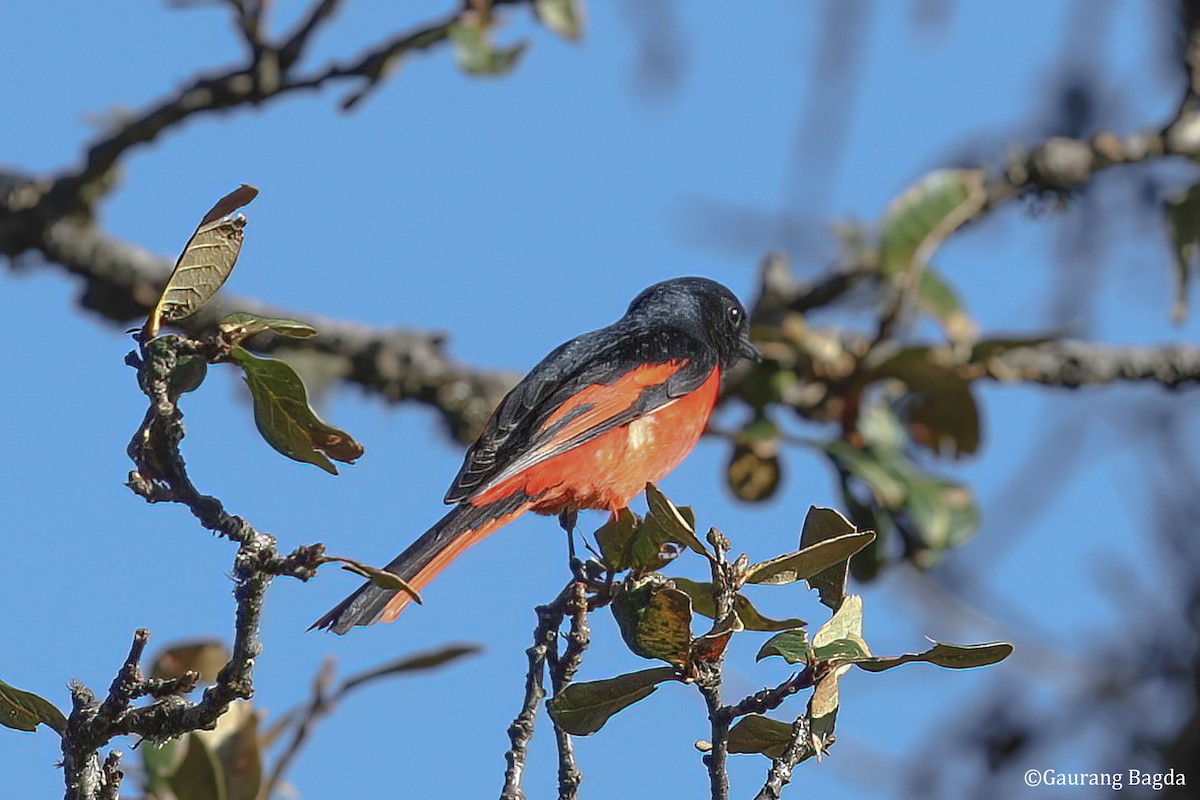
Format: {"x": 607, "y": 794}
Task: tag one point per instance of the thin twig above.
{"x": 769, "y": 699}
{"x": 707, "y": 671}
{"x": 520, "y": 733}
{"x": 799, "y": 748}
{"x": 562, "y": 672}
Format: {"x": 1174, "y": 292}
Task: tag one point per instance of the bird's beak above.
{"x": 746, "y": 349}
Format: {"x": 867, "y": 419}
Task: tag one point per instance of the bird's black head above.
{"x": 704, "y": 309}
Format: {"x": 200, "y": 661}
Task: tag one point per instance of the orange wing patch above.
{"x": 607, "y": 471}
{"x": 592, "y": 405}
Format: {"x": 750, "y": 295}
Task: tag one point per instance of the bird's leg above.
{"x": 568, "y": 518}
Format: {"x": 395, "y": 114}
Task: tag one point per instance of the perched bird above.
{"x": 586, "y": 429}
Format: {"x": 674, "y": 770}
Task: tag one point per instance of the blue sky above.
{"x": 515, "y": 213}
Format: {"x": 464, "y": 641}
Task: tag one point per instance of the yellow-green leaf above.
{"x": 380, "y": 577}
{"x": 475, "y": 52}
{"x": 284, "y": 417}
{"x": 205, "y": 263}
{"x": 938, "y": 298}
{"x": 846, "y": 623}
{"x": 564, "y": 17}
{"x": 240, "y": 326}
{"x": 918, "y": 221}
{"x": 655, "y": 622}
{"x": 809, "y": 561}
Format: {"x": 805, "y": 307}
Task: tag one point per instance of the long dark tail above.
{"x": 426, "y": 557}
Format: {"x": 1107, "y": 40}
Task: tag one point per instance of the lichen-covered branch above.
{"x": 562, "y": 671}
{"x": 160, "y": 475}
{"x": 520, "y": 733}
{"x": 780, "y": 774}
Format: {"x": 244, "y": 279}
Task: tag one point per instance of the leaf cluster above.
{"x": 655, "y": 614}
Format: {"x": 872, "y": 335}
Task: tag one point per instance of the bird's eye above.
{"x": 735, "y": 316}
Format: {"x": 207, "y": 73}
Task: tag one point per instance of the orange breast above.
{"x": 610, "y": 470}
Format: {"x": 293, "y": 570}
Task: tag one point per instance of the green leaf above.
{"x": 380, "y": 577}
{"x": 475, "y": 52}
{"x": 809, "y": 561}
{"x": 206, "y": 262}
{"x": 582, "y": 708}
{"x": 430, "y": 659}
{"x": 944, "y": 418}
{"x": 615, "y": 537}
{"x": 199, "y": 776}
{"x": 940, "y": 411}
{"x": 842, "y": 651}
{"x": 678, "y": 524}
{"x": 943, "y": 511}
{"x": 240, "y": 326}
{"x": 950, "y": 656}
{"x": 24, "y": 711}
{"x": 755, "y": 733}
{"x": 655, "y": 622}
{"x": 918, "y": 221}
{"x": 887, "y": 487}
{"x": 1183, "y": 224}
{"x": 652, "y": 546}
{"x": 821, "y": 525}
{"x": 161, "y": 760}
{"x": 240, "y": 756}
{"x": 701, "y": 594}
{"x": 285, "y": 419}
{"x": 563, "y": 17}
{"x": 846, "y": 623}
{"x": 187, "y": 376}
{"x": 754, "y": 620}
{"x": 205, "y": 657}
{"x": 938, "y": 298}
{"x": 754, "y": 469}
{"x": 822, "y": 710}
{"x": 792, "y": 646}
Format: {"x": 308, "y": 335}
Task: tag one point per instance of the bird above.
{"x": 587, "y": 428}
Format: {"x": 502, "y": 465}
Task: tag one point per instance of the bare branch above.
{"x": 708, "y": 671}
{"x": 769, "y": 699}
{"x": 545, "y": 648}
{"x": 161, "y": 476}
{"x": 562, "y": 672}
{"x": 780, "y": 773}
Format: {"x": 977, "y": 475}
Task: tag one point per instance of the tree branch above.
{"x": 520, "y": 733}
{"x": 780, "y": 773}
{"x": 1071, "y": 364}
{"x": 161, "y": 476}
{"x": 562, "y": 672}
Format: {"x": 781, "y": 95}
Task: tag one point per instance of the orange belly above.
{"x": 610, "y": 470}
